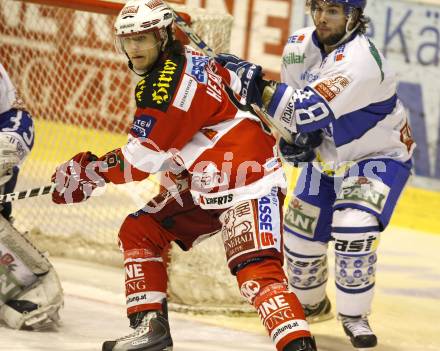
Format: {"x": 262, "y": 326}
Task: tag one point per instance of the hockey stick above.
{"x": 24, "y": 194}
{"x": 195, "y": 38}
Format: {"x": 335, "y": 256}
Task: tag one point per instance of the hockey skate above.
{"x": 359, "y": 331}
{"x": 319, "y": 312}
{"x": 301, "y": 344}
{"x": 151, "y": 333}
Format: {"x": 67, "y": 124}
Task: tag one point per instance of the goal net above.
{"x": 60, "y": 55}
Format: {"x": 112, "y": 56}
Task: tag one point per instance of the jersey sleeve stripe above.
{"x": 354, "y": 125}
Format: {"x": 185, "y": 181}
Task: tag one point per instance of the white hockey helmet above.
{"x": 142, "y": 16}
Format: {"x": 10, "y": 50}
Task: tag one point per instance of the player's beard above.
{"x": 332, "y": 39}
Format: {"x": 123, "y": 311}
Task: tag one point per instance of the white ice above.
{"x": 405, "y": 312}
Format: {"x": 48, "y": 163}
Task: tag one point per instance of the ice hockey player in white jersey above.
{"x": 351, "y": 134}
{"x": 30, "y": 291}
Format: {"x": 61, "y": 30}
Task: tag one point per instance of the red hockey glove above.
{"x": 77, "y": 178}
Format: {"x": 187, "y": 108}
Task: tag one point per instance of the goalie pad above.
{"x": 28, "y": 283}
{"x": 37, "y": 307}
{"x": 14, "y": 243}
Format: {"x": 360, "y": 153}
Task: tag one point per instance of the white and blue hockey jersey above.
{"x": 15, "y": 121}
{"x": 350, "y": 93}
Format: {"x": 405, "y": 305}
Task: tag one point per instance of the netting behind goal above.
{"x": 79, "y": 90}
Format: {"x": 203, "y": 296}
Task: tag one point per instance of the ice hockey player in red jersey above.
{"x": 224, "y": 178}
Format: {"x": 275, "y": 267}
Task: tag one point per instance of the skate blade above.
{"x": 319, "y": 318}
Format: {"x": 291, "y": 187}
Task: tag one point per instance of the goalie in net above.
{"x": 222, "y": 178}
{"x": 30, "y": 291}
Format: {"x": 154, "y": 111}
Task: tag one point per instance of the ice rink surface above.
{"x": 406, "y": 309}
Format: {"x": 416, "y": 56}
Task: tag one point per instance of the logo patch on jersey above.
{"x": 330, "y": 88}
{"x": 406, "y": 136}
{"x": 309, "y": 76}
{"x": 161, "y": 92}
{"x": 296, "y": 39}
{"x": 216, "y": 200}
{"x": 198, "y": 68}
{"x": 302, "y": 217}
{"x": 157, "y": 90}
{"x": 209, "y": 181}
{"x": 209, "y": 133}
{"x": 268, "y": 224}
{"x": 238, "y": 230}
{"x": 215, "y": 85}
{"x": 143, "y": 125}
{"x": 339, "y": 53}
{"x": 186, "y": 93}
{"x": 292, "y": 58}
{"x": 367, "y": 192}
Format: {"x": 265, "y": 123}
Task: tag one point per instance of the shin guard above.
{"x": 264, "y": 285}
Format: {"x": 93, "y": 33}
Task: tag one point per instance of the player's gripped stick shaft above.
{"x": 24, "y": 194}
{"x": 208, "y": 51}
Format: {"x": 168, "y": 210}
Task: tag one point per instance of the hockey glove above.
{"x": 77, "y": 178}
{"x": 250, "y": 76}
{"x": 301, "y": 151}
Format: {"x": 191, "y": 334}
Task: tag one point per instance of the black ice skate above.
{"x": 301, "y": 344}
{"x": 359, "y": 331}
{"x": 152, "y": 333}
{"x": 319, "y": 312}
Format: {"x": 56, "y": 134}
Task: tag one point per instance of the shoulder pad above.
{"x": 158, "y": 88}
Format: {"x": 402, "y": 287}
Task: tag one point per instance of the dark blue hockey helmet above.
{"x": 357, "y": 4}
{"x": 349, "y": 5}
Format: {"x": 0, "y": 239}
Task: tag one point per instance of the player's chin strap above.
{"x": 348, "y": 32}
{"x": 140, "y": 73}
{"x": 208, "y": 51}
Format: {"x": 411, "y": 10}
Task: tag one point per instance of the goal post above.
{"x": 60, "y": 55}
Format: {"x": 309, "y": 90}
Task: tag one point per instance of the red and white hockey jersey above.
{"x": 188, "y": 115}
